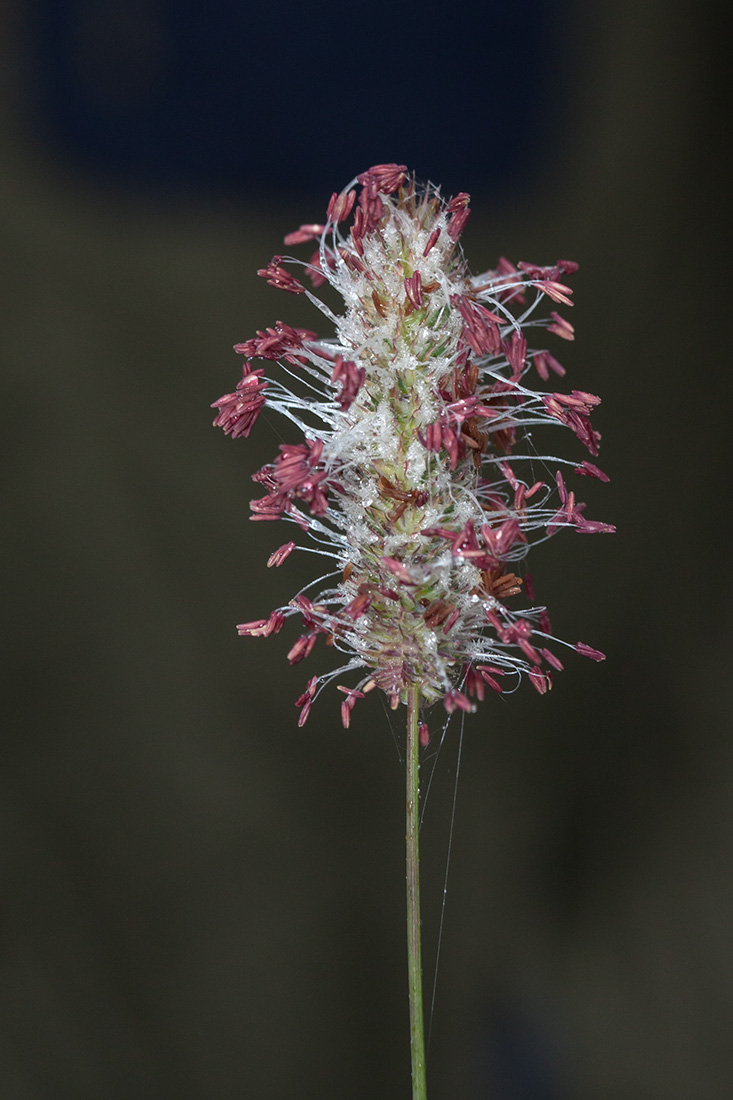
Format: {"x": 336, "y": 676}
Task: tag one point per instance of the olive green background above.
{"x": 200, "y": 900}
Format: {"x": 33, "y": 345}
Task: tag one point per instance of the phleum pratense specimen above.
{"x": 417, "y": 476}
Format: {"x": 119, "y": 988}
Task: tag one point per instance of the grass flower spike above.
{"x": 416, "y": 475}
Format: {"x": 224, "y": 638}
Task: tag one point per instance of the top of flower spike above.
{"x": 411, "y": 414}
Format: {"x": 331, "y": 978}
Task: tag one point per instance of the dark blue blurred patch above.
{"x": 298, "y": 97}
{"x": 519, "y": 1062}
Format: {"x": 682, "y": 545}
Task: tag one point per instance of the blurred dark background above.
{"x": 199, "y": 899}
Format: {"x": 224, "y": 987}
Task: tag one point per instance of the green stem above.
{"x": 414, "y": 950}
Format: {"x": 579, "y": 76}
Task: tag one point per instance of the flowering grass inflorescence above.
{"x": 416, "y": 471}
